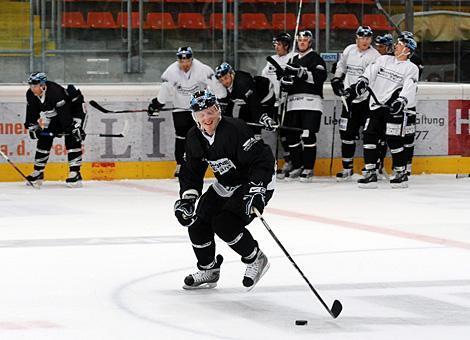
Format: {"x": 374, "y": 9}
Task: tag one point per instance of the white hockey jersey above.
{"x": 269, "y": 71}
{"x": 353, "y": 63}
{"x": 178, "y": 86}
{"x": 387, "y": 74}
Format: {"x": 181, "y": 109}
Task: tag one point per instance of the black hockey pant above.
{"x": 182, "y": 121}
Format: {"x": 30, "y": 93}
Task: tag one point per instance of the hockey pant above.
{"x": 380, "y": 123}
{"x": 349, "y": 125}
{"x": 224, "y": 217}
{"x": 182, "y": 121}
{"x": 303, "y": 150}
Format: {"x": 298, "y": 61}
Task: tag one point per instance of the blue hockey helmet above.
{"x": 184, "y": 53}
{"x": 37, "y": 78}
{"x": 202, "y": 100}
{"x": 223, "y": 69}
{"x": 409, "y": 42}
{"x": 364, "y": 31}
{"x": 385, "y": 39}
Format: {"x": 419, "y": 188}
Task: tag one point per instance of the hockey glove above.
{"x": 254, "y": 197}
{"x": 398, "y": 106}
{"x": 338, "y": 86}
{"x": 268, "y": 123}
{"x": 34, "y": 131}
{"x": 154, "y": 107}
{"x": 185, "y": 209}
{"x": 286, "y": 83}
{"x": 296, "y": 71}
{"x": 361, "y": 86}
{"x": 76, "y": 130}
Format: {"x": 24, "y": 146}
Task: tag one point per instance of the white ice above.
{"x": 107, "y": 262}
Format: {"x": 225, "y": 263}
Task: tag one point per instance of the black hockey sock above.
{"x": 202, "y": 240}
{"x": 309, "y": 156}
{"x": 348, "y": 148}
{"x": 295, "y": 151}
{"x": 42, "y": 153}
{"x": 371, "y": 154}
{"x": 179, "y": 149}
{"x": 398, "y": 154}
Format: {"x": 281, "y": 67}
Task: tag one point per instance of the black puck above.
{"x": 301, "y": 322}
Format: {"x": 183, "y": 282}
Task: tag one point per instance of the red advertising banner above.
{"x": 459, "y": 127}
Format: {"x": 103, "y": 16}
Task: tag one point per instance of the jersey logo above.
{"x": 249, "y": 143}
{"x": 221, "y": 166}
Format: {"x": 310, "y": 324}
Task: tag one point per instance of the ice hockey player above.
{"x": 244, "y": 170}
{"x": 282, "y": 46}
{"x": 64, "y": 114}
{"x": 249, "y": 98}
{"x": 180, "y": 80}
{"x": 354, "y": 60}
{"x": 393, "y": 79}
{"x": 304, "y": 78}
{"x": 384, "y": 44}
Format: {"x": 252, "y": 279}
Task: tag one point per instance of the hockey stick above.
{"x": 19, "y": 171}
{"x": 305, "y": 133}
{"x": 102, "y": 109}
{"x": 336, "y": 307}
{"x": 333, "y": 140}
{"x": 297, "y": 24}
{"x": 112, "y": 135}
{"x": 389, "y": 18}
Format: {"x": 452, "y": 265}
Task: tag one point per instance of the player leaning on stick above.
{"x": 354, "y": 60}
{"x": 393, "y": 79}
{"x": 181, "y": 79}
{"x": 244, "y": 170}
{"x": 64, "y": 114}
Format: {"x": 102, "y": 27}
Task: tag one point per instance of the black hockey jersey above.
{"x": 234, "y": 155}
{"x": 316, "y": 71}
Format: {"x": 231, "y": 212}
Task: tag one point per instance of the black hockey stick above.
{"x": 336, "y": 309}
{"x": 273, "y": 62}
{"x": 112, "y": 135}
{"x": 389, "y": 18}
{"x": 102, "y": 109}
{"x": 19, "y": 171}
{"x": 305, "y": 133}
{"x": 333, "y": 139}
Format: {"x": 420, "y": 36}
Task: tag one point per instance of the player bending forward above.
{"x": 244, "y": 170}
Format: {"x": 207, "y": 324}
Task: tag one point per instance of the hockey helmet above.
{"x": 364, "y": 31}
{"x": 223, "y": 69}
{"x": 202, "y": 100}
{"x": 184, "y": 53}
{"x": 385, "y": 39}
{"x": 409, "y": 42}
{"x": 37, "y": 78}
{"x": 284, "y": 38}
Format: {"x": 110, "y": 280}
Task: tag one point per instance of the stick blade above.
{"x": 98, "y": 106}
{"x": 336, "y": 309}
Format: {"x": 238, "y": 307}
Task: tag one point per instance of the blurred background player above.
{"x": 64, "y": 114}
{"x": 394, "y": 81}
{"x": 282, "y": 45}
{"x": 244, "y": 170}
{"x": 304, "y": 78}
{"x": 180, "y": 80}
{"x": 384, "y": 44}
{"x": 248, "y": 98}
{"x": 352, "y": 64}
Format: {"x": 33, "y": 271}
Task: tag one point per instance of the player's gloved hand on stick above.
{"x": 154, "y": 107}
{"x": 338, "y": 86}
{"x": 268, "y": 123}
{"x": 398, "y": 106}
{"x": 254, "y": 197}
{"x": 34, "y": 131}
{"x": 286, "y": 83}
{"x": 76, "y": 129}
{"x": 296, "y": 71}
{"x": 185, "y": 209}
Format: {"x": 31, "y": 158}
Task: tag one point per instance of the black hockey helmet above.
{"x": 285, "y": 39}
{"x": 306, "y": 34}
{"x": 184, "y": 53}
{"x": 202, "y": 100}
{"x": 37, "y": 78}
{"x": 364, "y": 31}
{"x": 223, "y": 69}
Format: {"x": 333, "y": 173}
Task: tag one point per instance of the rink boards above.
{"x": 147, "y": 149}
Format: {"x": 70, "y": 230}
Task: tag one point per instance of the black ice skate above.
{"x": 37, "y": 177}
{"x": 281, "y": 173}
{"x": 306, "y": 176}
{"x": 204, "y": 279}
{"x": 74, "y": 180}
{"x": 345, "y": 175}
{"x": 255, "y": 270}
{"x": 369, "y": 181}
{"x": 400, "y": 180}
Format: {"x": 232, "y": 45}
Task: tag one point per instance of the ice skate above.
{"x": 204, "y": 279}
{"x": 255, "y": 270}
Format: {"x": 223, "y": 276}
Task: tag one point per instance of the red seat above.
{"x": 73, "y": 20}
{"x": 254, "y": 21}
{"x": 193, "y": 21}
{"x": 160, "y": 21}
{"x": 216, "y": 21}
{"x": 122, "y": 20}
{"x": 344, "y": 21}
{"x": 308, "y": 21}
{"x": 377, "y": 22}
{"x": 186, "y": 1}
{"x": 101, "y": 20}
{"x": 284, "y": 21}
{"x": 365, "y": 2}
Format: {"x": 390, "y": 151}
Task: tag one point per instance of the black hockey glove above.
{"x": 296, "y": 71}
{"x": 34, "y": 131}
{"x": 154, "y": 107}
{"x": 76, "y": 130}
{"x": 338, "y": 86}
{"x": 361, "y": 86}
{"x": 268, "y": 123}
{"x": 185, "y": 209}
{"x": 254, "y": 197}
{"x": 398, "y": 106}
{"x": 286, "y": 83}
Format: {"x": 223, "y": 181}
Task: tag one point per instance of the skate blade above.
{"x": 290, "y": 179}
{"x": 36, "y": 184}
{"x": 249, "y": 289}
{"x": 208, "y": 285}
{"x": 78, "y": 184}
{"x": 402, "y": 185}
{"x": 306, "y": 180}
{"x": 372, "y": 185}
{"x": 344, "y": 179}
